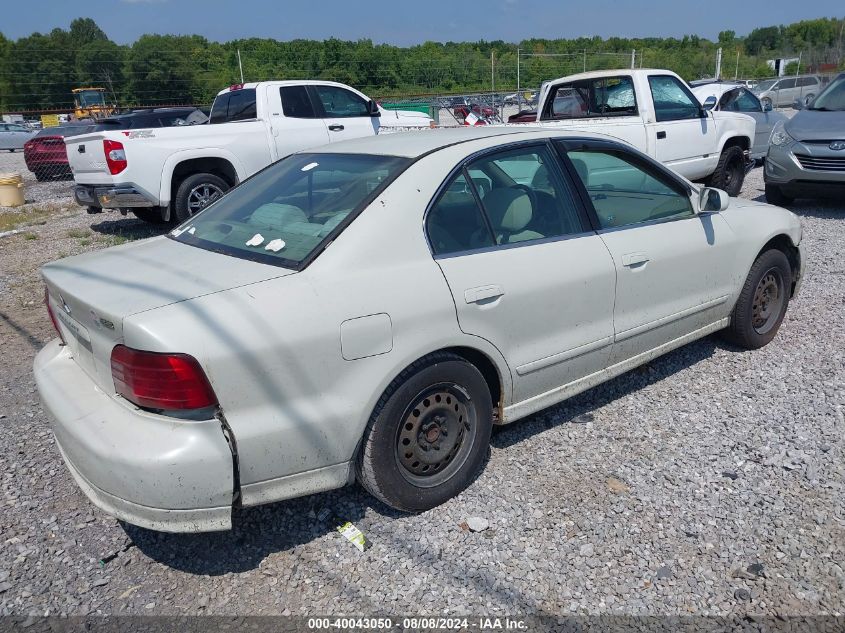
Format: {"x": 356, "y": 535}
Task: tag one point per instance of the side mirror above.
{"x": 712, "y": 200}
{"x": 709, "y": 103}
{"x": 798, "y": 104}
{"x": 372, "y": 108}
{"x": 767, "y": 106}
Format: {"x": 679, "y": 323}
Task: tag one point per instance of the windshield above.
{"x": 91, "y": 98}
{"x": 765, "y": 85}
{"x": 284, "y": 214}
{"x": 832, "y": 97}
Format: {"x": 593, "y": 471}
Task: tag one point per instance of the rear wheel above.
{"x": 40, "y": 176}
{"x": 730, "y": 171}
{"x": 429, "y": 434}
{"x": 762, "y": 304}
{"x": 152, "y": 215}
{"x": 196, "y": 192}
{"x": 775, "y": 195}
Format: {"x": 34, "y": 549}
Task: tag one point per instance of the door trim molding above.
{"x": 554, "y": 359}
{"x": 645, "y": 327}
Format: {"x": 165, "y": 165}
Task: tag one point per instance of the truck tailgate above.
{"x": 87, "y": 159}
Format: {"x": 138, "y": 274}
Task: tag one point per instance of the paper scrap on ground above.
{"x": 353, "y": 535}
{"x": 255, "y": 240}
{"x": 275, "y": 245}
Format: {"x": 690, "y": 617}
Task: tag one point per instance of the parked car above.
{"x": 782, "y": 92}
{"x": 732, "y": 97}
{"x": 45, "y": 153}
{"x": 13, "y": 136}
{"x": 656, "y": 112}
{"x": 806, "y": 154}
{"x": 172, "y": 173}
{"x": 483, "y": 110}
{"x": 272, "y": 352}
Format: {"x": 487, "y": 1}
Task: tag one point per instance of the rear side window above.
{"x": 604, "y": 96}
{"x": 238, "y": 105}
{"x": 672, "y": 100}
{"x": 296, "y": 103}
{"x": 455, "y": 223}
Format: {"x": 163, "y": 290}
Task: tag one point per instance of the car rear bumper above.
{"x": 115, "y": 197}
{"x": 150, "y": 470}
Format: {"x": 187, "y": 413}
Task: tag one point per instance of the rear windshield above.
{"x": 284, "y": 214}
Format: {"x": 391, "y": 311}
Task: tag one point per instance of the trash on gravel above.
{"x": 617, "y": 485}
{"x": 477, "y": 524}
{"x": 8, "y": 233}
{"x": 353, "y": 535}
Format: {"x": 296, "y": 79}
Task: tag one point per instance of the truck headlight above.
{"x": 779, "y": 135}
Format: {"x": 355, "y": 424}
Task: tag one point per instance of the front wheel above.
{"x": 762, "y": 304}
{"x": 428, "y": 435}
{"x": 196, "y": 192}
{"x": 730, "y": 171}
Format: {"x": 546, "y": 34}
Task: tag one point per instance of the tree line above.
{"x": 39, "y": 71}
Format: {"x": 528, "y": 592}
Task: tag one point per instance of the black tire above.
{"x": 40, "y": 176}
{"x": 762, "y": 304}
{"x": 151, "y": 215}
{"x": 186, "y": 204}
{"x": 775, "y": 195}
{"x": 408, "y": 459}
{"x": 809, "y": 99}
{"x": 730, "y": 171}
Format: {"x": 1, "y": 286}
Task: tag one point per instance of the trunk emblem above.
{"x": 837, "y": 145}
{"x": 65, "y": 306}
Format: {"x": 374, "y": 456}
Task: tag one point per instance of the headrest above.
{"x": 275, "y": 216}
{"x": 510, "y": 209}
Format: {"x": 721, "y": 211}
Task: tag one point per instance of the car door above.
{"x": 345, "y": 114}
{"x": 296, "y": 122}
{"x": 741, "y": 100}
{"x": 676, "y": 269}
{"x": 525, "y": 270}
{"x": 785, "y": 92}
{"x": 683, "y": 133}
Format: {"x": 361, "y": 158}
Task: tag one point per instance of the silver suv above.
{"x": 806, "y": 155}
{"x": 784, "y": 91}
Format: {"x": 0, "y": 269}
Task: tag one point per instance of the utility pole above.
{"x": 518, "y": 93}
{"x": 585, "y": 60}
{"x": 719, "y": 63}
{"x": 240, "y": 65}
{"x": 633, "y": 58}
{"x": 736, "y": 70}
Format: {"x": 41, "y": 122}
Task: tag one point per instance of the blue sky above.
{"x": 407, "y": 23}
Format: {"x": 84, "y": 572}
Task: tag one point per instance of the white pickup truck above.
{"x": 166, "y": 174}
{"x": 655, "y": 111}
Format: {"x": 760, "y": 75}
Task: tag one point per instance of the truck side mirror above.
{"x": 709, "y": 103}
{"x": 767, "y": 106}
{"x": 372, "y": 108}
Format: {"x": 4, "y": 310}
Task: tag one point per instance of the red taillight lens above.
{"x": 115, "y": 156}
{"x": 52, "y": 316}
{"x": 173, "y": 382}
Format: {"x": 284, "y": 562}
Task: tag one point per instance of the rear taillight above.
{"x": 171, "y": 382}
{"x": 115, "y": 156}
{"x": 51, "y": 315}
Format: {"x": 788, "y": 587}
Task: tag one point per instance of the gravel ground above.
{"x": 709, "y": 481}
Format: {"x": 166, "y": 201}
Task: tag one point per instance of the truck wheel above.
{"x": 775, "y": 195}
{"x": 730, "y": 171}
{"x": 197, "y": 192}
{"x": 152, "y": 215}
{"x": 429, "y": 434}
{"x": 761, "y": 306}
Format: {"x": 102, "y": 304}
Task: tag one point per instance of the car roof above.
{"x": 417, "y": 143}
{"x": 715, "y": 89}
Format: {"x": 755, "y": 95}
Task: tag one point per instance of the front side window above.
{"x": 296, "y": 103}
{"x": 672, "y": 100}
{"x": 604, "y": 96}
{"x": 285, "y": 213}
{"x": 340, "y": 103}
{"x": 625, "y": 192}
{"x": 739, "y": 100}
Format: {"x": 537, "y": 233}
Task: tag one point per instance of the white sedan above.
{"x": 370, "y": 310}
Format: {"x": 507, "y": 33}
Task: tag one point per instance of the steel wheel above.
{"x": 768, "y": 301}
{"x": 436, "y": 436}
{"x": 201, "y": 196}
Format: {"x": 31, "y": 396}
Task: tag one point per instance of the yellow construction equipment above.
{"x": 90, "y": 103}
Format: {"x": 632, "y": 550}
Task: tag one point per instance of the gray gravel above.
{"x": 709, "y": 481}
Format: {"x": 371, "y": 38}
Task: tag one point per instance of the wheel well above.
{"x": 743, "y": 142}
{"x": 217, "y": 166}
{"x": 488, "y": 369}
{"x": 784, "y": 244}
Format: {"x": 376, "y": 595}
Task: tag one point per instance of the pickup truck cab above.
{"x": 168, "y": 174}
{"x": 655, "y": 111}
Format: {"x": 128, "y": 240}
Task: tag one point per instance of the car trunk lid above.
{"x": 91, "y": 294}
{"x": 87, "y": 158}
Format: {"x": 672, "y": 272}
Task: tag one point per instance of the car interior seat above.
{"x": 511, "y": 211}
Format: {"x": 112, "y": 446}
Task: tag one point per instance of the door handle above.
{"x": 336, "y": 127}
{"x": 634, "y": 259}
{"x": 661, "y": 134}
{"x": 483, "y": 293}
